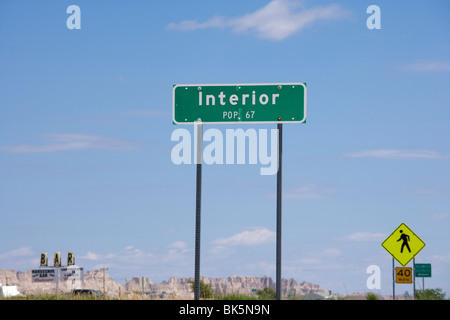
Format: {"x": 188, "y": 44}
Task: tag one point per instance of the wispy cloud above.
{"x": 20, "y": 252}
{"x": 428, "y": 66}
{"x": 91, "y": 256}
{"x": 58, "y": 142}
{"x": 442, "y": 258}
{"x": 331, "y": 253}
{"x": 397, "y": 154}
{"x": 277, "y": 20}
{"x": 440, "y": 216}
{"x": 173, "y": 254}
{"x": 254, "y": 237}
{"x": 364, "y": 236}
{"x": 19, "y": 258}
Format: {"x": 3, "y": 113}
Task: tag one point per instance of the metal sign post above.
{"x": 199, "y": 130}
{"x": 279, "y": 193}
{"x": 393, "y": 279}
{"x": 414, "y": 278}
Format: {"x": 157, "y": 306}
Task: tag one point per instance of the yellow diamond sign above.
{"x": 403, "y": 244}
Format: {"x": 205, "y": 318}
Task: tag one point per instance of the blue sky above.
{"x": 86, "y": 124}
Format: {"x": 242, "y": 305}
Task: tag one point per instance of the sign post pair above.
{"x": 231, "y": 104}
{"x": 403, "y": 245}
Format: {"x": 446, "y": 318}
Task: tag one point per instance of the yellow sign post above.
{"x": 403, "y": 244}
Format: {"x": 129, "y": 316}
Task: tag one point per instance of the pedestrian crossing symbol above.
{"x": 403, "y": 244}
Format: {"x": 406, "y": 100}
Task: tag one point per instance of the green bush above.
{"x": 206, "y": 290}
{"x": 266, "y": 294}
{"x": 371, "y": 296}
{"x": 430, "y": 294}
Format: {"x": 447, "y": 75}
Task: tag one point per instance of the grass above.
{"x": 46, "y": 296}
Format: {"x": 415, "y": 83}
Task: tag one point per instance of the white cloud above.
{"x": 428, "y": 66}
{"x": 308, "y": 261}
{"x": 71, "y": 141}
{"x": 19, "y": 258}
{"x": 397, "y": 154}
{"x": 179, "y": 245}
{"x": 20, "y": 252}
{"x": 188, "y": 25}
{"x": 277, "y": 20}
{"x": 177, "y": 250}
{"x": 130, "y": 252}
{"x": 441, "y": 258}
{"x": 91, "y": 256}
{"x": 253, "y": 237}
{"x": 331, "y": 253}
{"x": 440, "y": 216}
{"x": 167, "y": 260}
{"x": 365, "y": 236}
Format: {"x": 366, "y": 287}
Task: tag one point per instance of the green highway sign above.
{"x": 237, "y": 103}
{"x": 422, "y": 270}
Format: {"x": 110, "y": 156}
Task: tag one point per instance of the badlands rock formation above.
{"x": 181, "y": 288}
{"x": 174, "y": 288}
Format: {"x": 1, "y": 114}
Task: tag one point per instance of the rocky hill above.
{"x": 174, "y": 288}
{"x": 181, "y": 288}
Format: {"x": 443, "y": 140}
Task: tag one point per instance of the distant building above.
{"x": 8, "y": 291}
